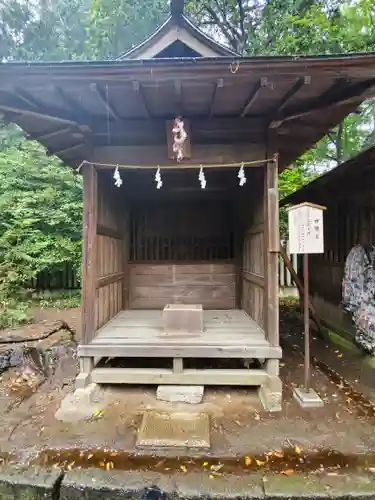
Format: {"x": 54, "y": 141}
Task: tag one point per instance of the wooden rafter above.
{"x": 137, "y": 87}
{"x": 13, "y": 106}
{"x": 67, "y": 149}
{"x": 288, "y": 97}
{"x": 104, "y": 99}
{"x": 218, "y": 85}
{"x": 253, "y": 96}
{"x": 74, "y": 108}
{"x": 50, "y": 135}
{"x": 24, "y": 96}
{"x": 335, "y": 95}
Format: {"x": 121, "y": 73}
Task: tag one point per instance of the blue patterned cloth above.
{"x": 358, "y": 294}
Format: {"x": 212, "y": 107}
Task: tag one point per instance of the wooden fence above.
{"x": 287, "y": 286}
{"x": 58, "y": 279}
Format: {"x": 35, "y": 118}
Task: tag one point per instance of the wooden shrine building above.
{"x": 201, "y": 239}
{"x": 348, "y": 193}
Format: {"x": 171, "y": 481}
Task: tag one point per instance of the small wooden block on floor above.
{"x": 183, "y": 318}
{"x": 167, "y": 429}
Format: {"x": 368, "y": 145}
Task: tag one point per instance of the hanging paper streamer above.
{"x": 241, "y": 175}
{"x": 158, "y": 180}
{"x": 117, "y": 177}
{"x": 202, "y": 178}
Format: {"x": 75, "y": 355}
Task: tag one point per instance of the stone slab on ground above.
{"x": 191, "y": 394}
{"x": 96, "y": 484}
{"x": 308, "y": 399}
{"x": 29, "y": 483}
{"x": 182, "y": 430}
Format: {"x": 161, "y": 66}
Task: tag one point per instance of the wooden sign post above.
{"x": 306, "y": 237}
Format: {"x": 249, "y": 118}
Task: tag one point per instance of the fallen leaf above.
{"x": 287, "y": 472}
{"x": 216, "y": 468}
{"x": 205, "y": 464}
{"x": 297, "y": 450}
{"x": 211, "y": 476}
{"x": 90, "y": 455}
{"x": 248, "y": 461}
{"x": 339, "y": 355}
{"x": 281, "y": 364}
{"x": 260, "y": 462}
{"x": 278, "y": 454}
{"x": 183, "y": 468}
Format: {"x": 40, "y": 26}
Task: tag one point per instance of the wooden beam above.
{"x": 137, "y": 87}
{"x": 186, "y": 377}
{"x": 50, "y": 135}
{"x": 288, "y": 97}
{"x": 108, "y": 280}
{"x": 104, "y": 99}
{"x": 337, "y": 94}
{"x": 14, "y": 106}
{"x": 272, "y": 246}
{"x": 107, "y": 231}
{"x": 67, "y": 149}
{"x": 218, "y": 85}
{"x": 89, "y": 259}
{"x": 178, "y": 92}
{"x": 72, "y": 105}
{"x": 24, "y": 96}
{"x": 253, "y": 96}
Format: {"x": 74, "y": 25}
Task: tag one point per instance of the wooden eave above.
{"x": 177, "y": 29}
{"x": 348, "y": 177}
{"x": 70, "y": 106}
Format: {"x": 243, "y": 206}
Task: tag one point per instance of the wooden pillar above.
{"x": 89, "y": 260}
{"x": 272, "y": 247}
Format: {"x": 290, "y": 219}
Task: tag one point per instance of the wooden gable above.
{"x": 177, "y": 37}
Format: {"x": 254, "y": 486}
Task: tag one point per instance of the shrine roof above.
{"x": 67, "y": 105}
{"x": 348, "y": 177}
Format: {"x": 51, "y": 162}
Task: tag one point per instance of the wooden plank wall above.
{"x": 253, "y": 259}
{"x": 155, "y": 285}
{"x": 182, "y": 231}
{"x": 111, "y": 283}
{"x": 342, "y": 224}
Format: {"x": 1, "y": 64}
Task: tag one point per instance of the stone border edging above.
{"x": 20, "y": 483}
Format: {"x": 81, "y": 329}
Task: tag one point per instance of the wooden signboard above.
{"x": 305, "y": 223}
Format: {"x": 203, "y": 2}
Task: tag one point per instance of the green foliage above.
{"x": 60, "y": 301}
{"x": 40, "y": 216}
{"x": 13, "y": 312}
{"x": 289, "y": 181}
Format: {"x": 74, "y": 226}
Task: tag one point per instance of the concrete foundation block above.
{"x": 97, "y": 484}
{"x": 81, "y": 404}
{"x": 183, "y": 318}
{"x": 308, "y": 399}
{"x": 29, "y": 483}
{"x": 270, "y": 394}
{"x": 190, "y": 394}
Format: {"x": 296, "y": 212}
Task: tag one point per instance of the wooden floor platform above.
{"x": 227, "y": 334}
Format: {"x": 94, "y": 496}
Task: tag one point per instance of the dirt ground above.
{"x": 337, "y": 436}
